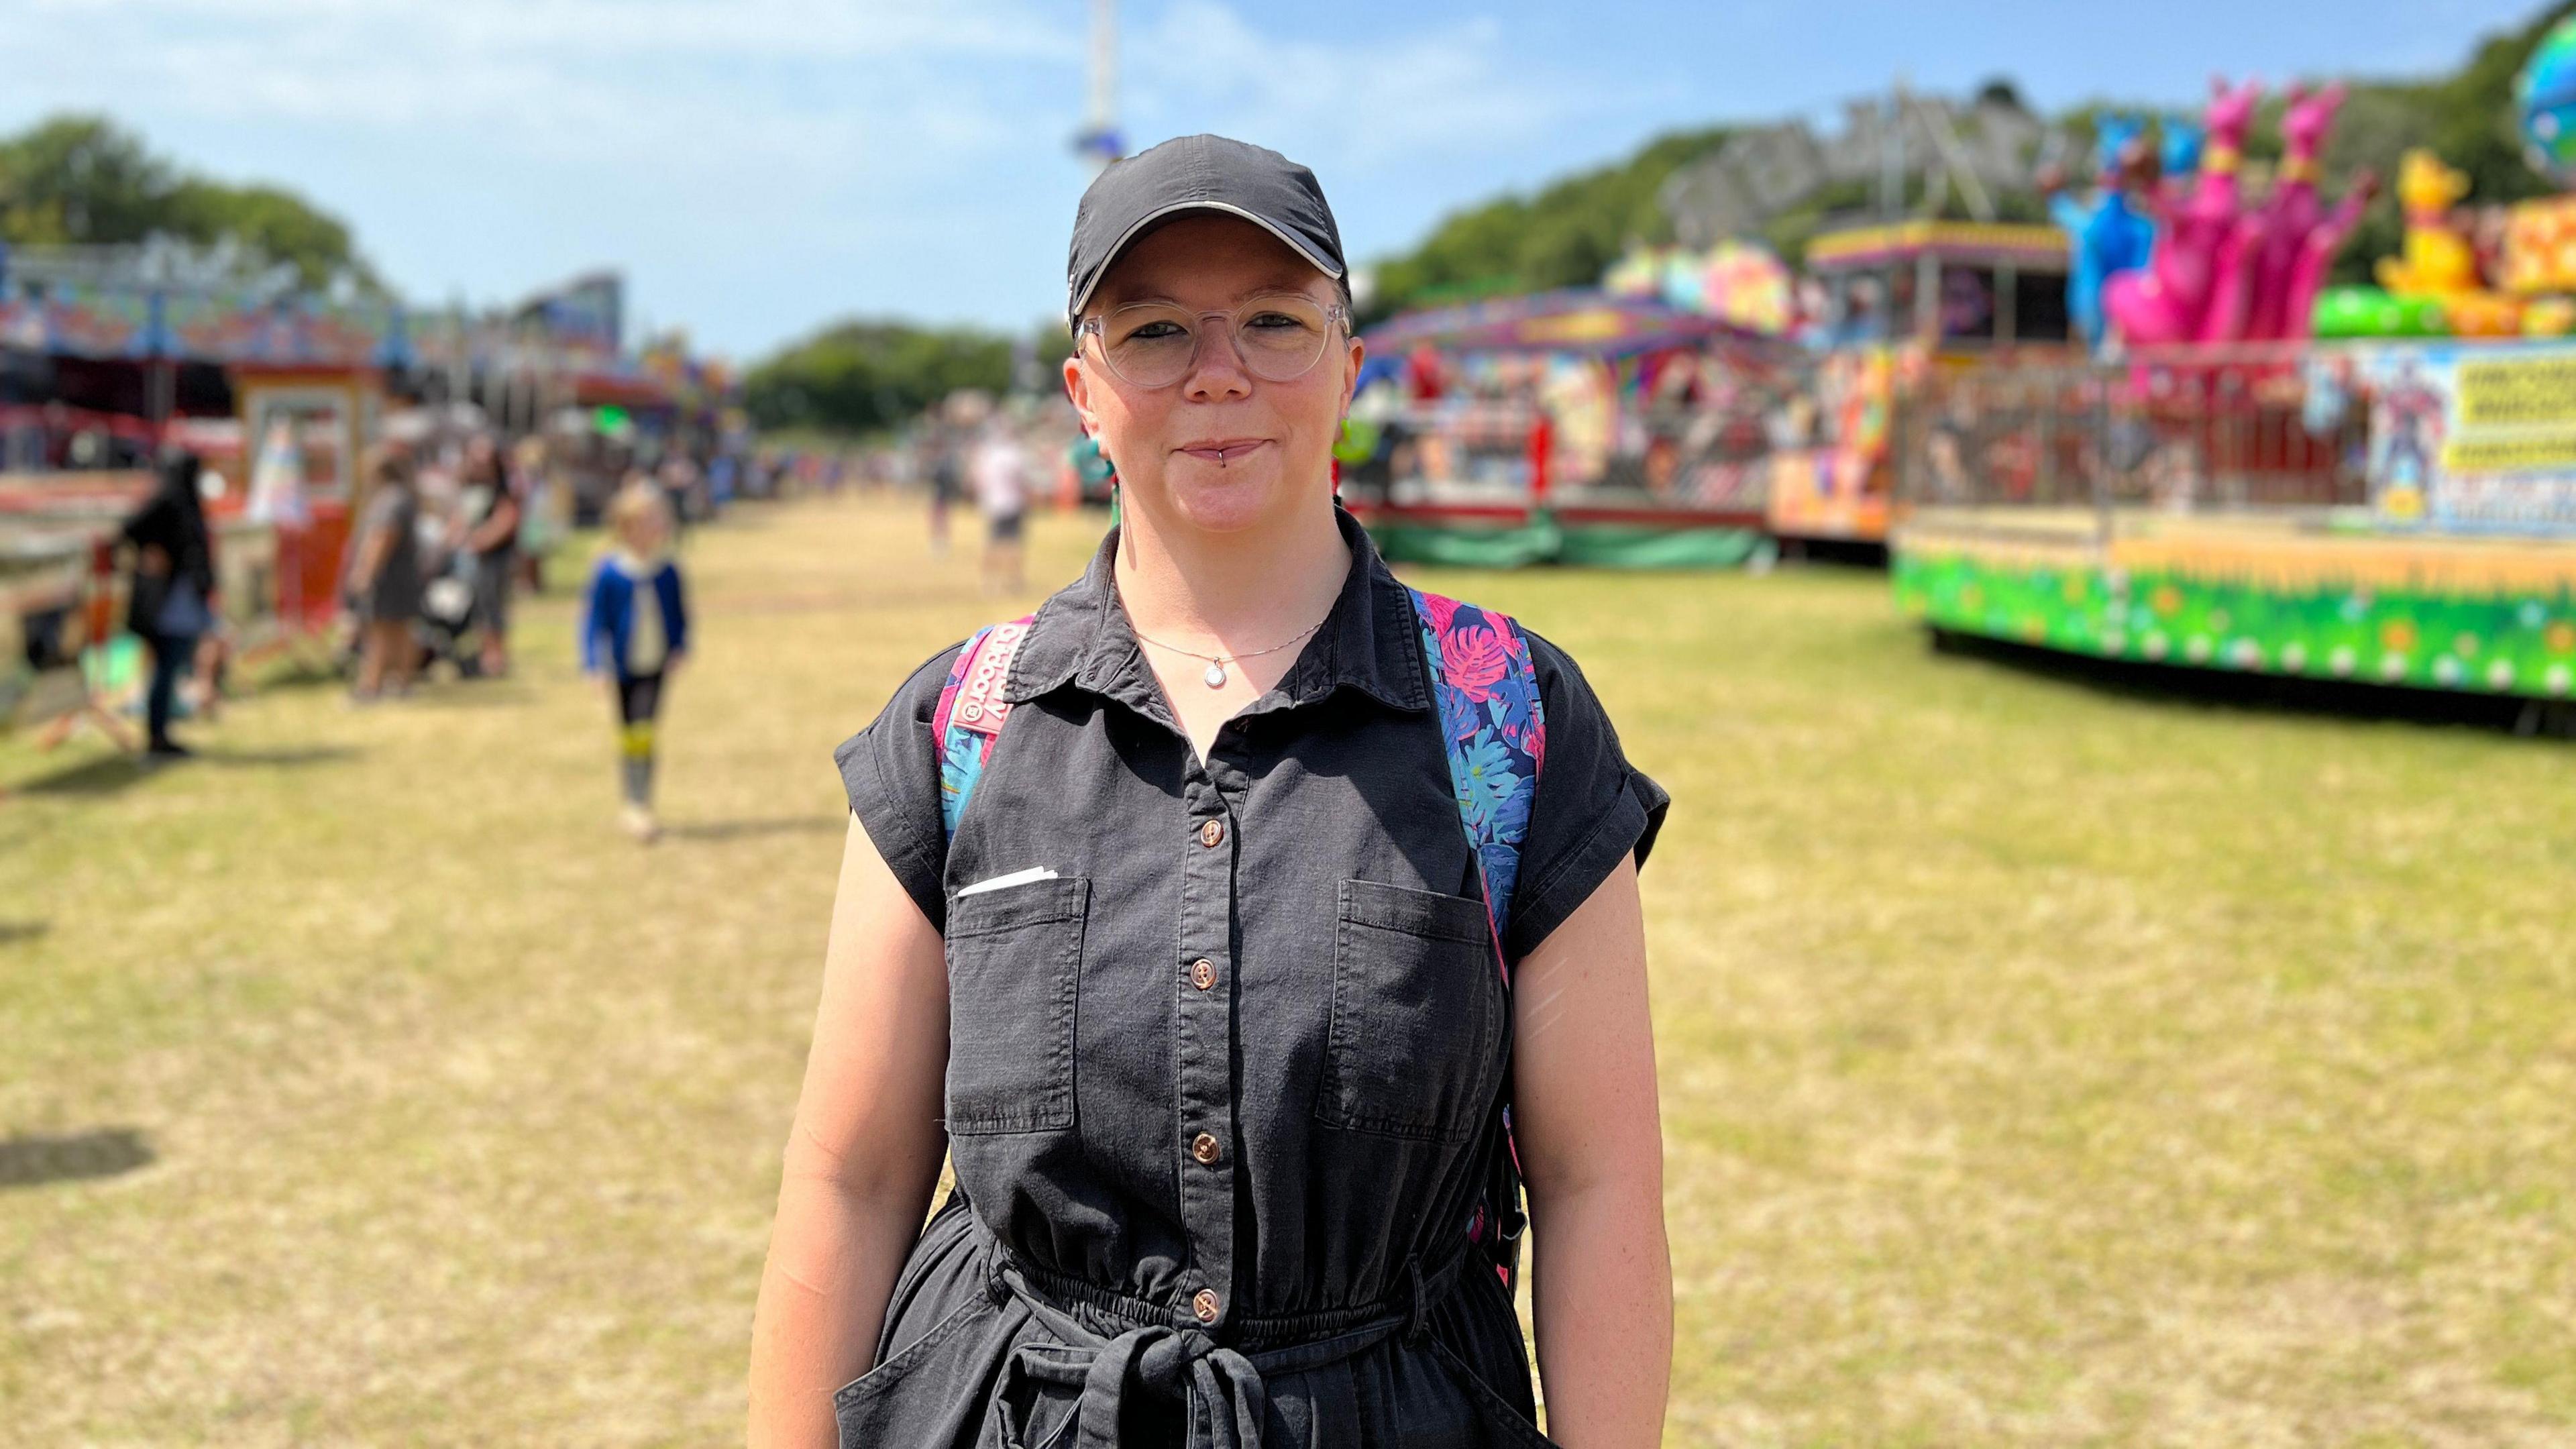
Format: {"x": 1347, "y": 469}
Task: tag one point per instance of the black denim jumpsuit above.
{"x": 1221, "y": 1088}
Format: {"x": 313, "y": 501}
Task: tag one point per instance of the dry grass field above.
{"x": 2043, "y": 1064}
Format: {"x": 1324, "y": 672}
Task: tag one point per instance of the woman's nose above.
{"x": 1216, "y": 367}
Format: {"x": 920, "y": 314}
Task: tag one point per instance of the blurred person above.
{"x": 946, "y": 485}
{"x": 1094, "y": 479}
{"x": 386, "y": 578}
{"x": 170, "y": 600}
{"x": 677, "y": 476}
{"x": 635, "y": 635}
{"x": 533, "y": 482}
{"x": 1158, "y": 921}
{"x": 722, "y": 470}
{"x": 491, "y": 517}
{"x": 1001, "y": 480}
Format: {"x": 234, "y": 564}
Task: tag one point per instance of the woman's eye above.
{"x": 1274, "y": 321}
{"x": 1157, "y": 331}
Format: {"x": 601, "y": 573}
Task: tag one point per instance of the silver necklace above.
{"x": 1216, "y": 676}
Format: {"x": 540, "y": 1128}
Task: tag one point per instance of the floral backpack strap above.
{"x": 971, "y": 711}
{"x": 1495, "y": 729}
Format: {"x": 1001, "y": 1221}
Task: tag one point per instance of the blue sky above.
{"x": 758, "y": 167}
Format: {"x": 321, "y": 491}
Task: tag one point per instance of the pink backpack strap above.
{"x": 971, "y": 712}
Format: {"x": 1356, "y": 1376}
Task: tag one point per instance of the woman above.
{"x": 170, "y": 603}
{"x": 532, "y": 481}
{"x": 385, "y": 578}
{"x": 492, "y": 539}
{"x": 1197, "y": 990}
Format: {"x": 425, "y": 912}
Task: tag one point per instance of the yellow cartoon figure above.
{"x": 2437, "y": 258}
{"x": 2439, "y": 261}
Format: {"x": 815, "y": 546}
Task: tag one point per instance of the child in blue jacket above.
{"x": 636, "y": 623}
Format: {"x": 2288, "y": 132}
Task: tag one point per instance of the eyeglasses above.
{"x": 1280, "y": 336}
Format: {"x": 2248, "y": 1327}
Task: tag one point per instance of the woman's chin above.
{"x": 1223, "y": 504}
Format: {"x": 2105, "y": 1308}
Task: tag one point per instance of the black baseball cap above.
{"x": 1197, "y": 173}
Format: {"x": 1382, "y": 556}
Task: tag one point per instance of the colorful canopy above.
{"x": 1577, "y": 320}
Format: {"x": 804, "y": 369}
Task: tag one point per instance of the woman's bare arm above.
{"x": 862, "y": 1157}
{"x": 371, "y": 556}
{"x": 1591, "y": 1143}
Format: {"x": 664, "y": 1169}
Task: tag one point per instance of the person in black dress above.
{"x": 1198, "y": 991}
{"x": 386, "y": 580}
{"x": 170, "y": 600}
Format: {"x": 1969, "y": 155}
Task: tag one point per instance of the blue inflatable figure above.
{"x": 2181, "y": 136}
{"x": 2113, "y": 232}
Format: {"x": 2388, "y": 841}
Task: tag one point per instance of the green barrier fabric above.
{"x": 1631, "y": 546}
{"x": 1466, "y": 547}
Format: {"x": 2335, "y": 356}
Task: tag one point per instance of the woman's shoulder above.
{"x": 890, "y": 772}
{"x": 909, "y": 708}
{"x": 1556, "y": 667}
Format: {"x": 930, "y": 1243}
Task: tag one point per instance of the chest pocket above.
{"x": 1014, "y": 959}
{"x": 1416, "y": 1035}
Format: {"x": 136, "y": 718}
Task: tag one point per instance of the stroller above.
{"x": 447, "y": 616}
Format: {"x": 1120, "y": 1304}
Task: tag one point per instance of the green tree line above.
{"x": 84, "y": 179}
{"x": 861, "y": 376}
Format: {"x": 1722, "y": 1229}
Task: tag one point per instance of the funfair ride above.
{"x": 2261, "y": 473}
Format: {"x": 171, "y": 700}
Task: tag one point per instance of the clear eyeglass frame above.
{"x": 1267, "y": 364}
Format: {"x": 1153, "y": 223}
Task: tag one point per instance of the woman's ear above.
{"x": 1077, "y": 389}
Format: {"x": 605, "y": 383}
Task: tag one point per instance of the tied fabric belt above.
{"x": 1221, "y": 1386}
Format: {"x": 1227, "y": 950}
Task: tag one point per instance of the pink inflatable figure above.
{"x": 2256, "y": 296}
{"x": 2317, "y": 253}
{"x": 2168, "y": 300}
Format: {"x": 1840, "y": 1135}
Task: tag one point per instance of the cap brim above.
{"x": 1148, "y": 219}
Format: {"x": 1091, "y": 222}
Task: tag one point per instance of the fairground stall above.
{"x": 114, "y": 353}
{"x": 1890, "y": 305}
{"x": 1548, "y": 428}
{"x": 110, "y": 356}
{"x": 2391, "y": 501}
{"x": 1697, "y": 406}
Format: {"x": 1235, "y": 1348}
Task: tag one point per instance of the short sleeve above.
{"x": 1592, "y": 806}
{"x": 891, "y": 772}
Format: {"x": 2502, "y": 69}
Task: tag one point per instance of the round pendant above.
{"x": 1215, "y": 675}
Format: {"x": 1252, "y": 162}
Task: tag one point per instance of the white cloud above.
{"x": 610, "y": 28}
{"x": 660, "y": 84}
{"x": 752, "y": 164}
{"x": 1360, "y": 103}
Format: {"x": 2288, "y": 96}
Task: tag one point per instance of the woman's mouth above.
{"x": 1223, "y": 452}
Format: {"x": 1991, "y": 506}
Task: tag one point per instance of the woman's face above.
{"x": 1220, "y": 450}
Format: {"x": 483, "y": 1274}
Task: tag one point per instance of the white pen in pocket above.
{"x": 1005, "y": 882}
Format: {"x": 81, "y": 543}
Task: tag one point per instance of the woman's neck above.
{"x": 1231, "y": 591}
